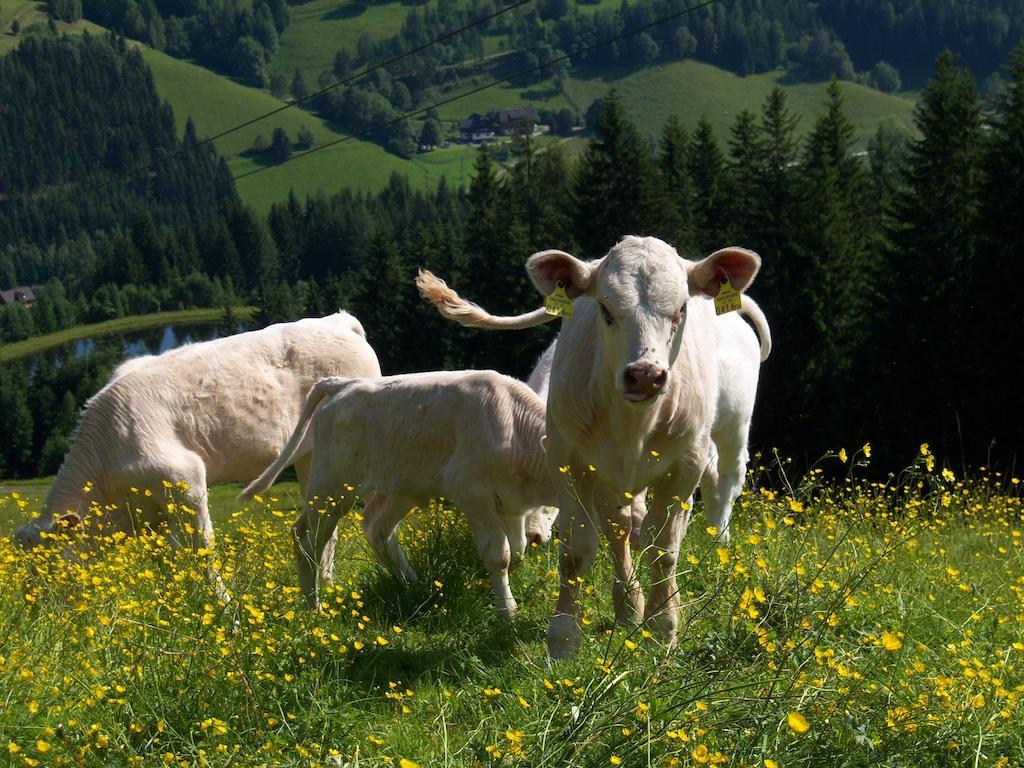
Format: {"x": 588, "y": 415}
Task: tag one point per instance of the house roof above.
{"x": 24, "y": 293}
{"x": 519, "y": 113}
{"x": 476, "y": 122}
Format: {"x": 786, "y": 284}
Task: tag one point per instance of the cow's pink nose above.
{"x": 644, "y": 379}
{"x": 534, "y": 538}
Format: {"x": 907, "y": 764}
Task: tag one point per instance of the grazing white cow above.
{"x": 634, "y": 391}
{"x": 198, "y": 415}
{"x": 398, "y": 441}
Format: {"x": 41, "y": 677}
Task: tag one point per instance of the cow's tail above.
{"x": 317, "y": 393}
{"x": 753, "y": 312}
{"x": 454, "y": 307}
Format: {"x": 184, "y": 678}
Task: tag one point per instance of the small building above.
{"x": 477, "y": 127}
{"x": 517, "y": 122}
{"x": 25, "y": 296}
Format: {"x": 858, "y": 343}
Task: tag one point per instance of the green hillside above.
{"x": 28, "y": 13}
{"x": 216, "y": 103}
{"x": 320, "y": 27}
{"x": 690, "y": 89}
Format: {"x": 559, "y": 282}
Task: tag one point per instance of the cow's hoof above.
{"x": 563, "y": 636}
{"x": 664, "y": 626}
{"x": 508, "y": 612}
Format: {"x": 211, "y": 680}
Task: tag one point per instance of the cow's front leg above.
{"x": 664, "y": 529}
{"x": 627, "y": 597}
{"x": 579, "y": 540}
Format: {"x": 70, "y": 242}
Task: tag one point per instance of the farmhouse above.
{"x": 25, "y": 296}
{"x": 477, "y": 127}
{"x": 516, "y": 122}
{"x": 506, "y": 122}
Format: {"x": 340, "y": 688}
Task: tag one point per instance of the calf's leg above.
{"x": 381, "y": 516}
{"x": 314, "y": 534}
{"x": 493, "y": 547}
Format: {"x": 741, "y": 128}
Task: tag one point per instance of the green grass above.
{"x": 28, "y": 13}
{"x": 38, "y": 344}
{"x": 319, "y": 28}
{"x": 690, "y": 89}
{"x": 888, "y": 622}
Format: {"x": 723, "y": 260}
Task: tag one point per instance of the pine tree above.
{"x": 383, "y": 299}
{"x": 933, "y": 262}
{"x": 673, "y": 162}
{"x": 743, "y": 194}
{"x": 617, "y": 190}
{"x": 833, "y": 271}
{"x": 707, "y": 171}
{"x": 1000, "y": 261}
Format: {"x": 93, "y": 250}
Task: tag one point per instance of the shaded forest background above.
{"x": 890, "y": 278}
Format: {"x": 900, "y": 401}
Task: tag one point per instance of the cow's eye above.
{"x": 607, "y": 316}
{"x": 679, "y": 318}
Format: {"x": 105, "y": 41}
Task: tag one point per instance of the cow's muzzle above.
{"x": 643, "y": 381}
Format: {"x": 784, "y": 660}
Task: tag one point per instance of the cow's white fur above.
{"x": 199, "y": 414}
{"x": 472, "y": 436}
{"x": 643, "y": 309}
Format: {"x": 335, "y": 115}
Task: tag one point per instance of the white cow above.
{"x": 198, "y": 415}
{"x": 739, "y": 358}
{"x": 398, "y": 441}
{"x": 634, "y": 391}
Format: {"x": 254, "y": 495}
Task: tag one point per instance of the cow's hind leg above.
{"x": 492, "y": 545}
{"x": 381, "y": 517}
{"x": 314, "y": 534}
{"x": 723, "y": 480}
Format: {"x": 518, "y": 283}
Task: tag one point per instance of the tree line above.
{"x": 878, "y": 279}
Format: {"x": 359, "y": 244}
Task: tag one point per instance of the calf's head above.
{"x": 642, "y": 287}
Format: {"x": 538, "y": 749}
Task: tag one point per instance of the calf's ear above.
{"x": 738, "y": 265}
{"x": 548, "y": 268}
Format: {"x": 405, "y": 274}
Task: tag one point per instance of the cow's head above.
{"x": 642, "y": 288}
{"x": 34, "y": 532}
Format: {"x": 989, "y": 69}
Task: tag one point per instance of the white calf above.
{"x": 398, "y": 441}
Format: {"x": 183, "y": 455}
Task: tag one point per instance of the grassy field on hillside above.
{"x": 690, "y": 89}
{"x": 38, "y": 344}
{"x": 846, "y": 625}
{"x": 29, "y": 12}
{"x": 319, "y": 28}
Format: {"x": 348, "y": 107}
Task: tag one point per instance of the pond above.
{"x": 132, "y": 344}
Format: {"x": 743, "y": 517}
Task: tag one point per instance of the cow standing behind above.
{"x": 633, "y": 393}
{"x": 472, "y": 436}
{"x": 196, "y": 415}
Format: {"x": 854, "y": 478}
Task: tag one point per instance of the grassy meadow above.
{"x": 849, "y": 623}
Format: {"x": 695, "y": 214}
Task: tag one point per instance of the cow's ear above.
{"x": 738, "y": 265}
{"x": 548, "y": 268}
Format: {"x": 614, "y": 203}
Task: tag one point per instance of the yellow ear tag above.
{"x": 728, "y": 298}
{"x": 558, "y": 302}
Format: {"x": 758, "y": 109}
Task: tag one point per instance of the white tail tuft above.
{"x": 454, "y": 307}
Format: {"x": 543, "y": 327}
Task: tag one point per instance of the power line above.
{"x": 443, "y": 102}
{"x": 297, "y": 102}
